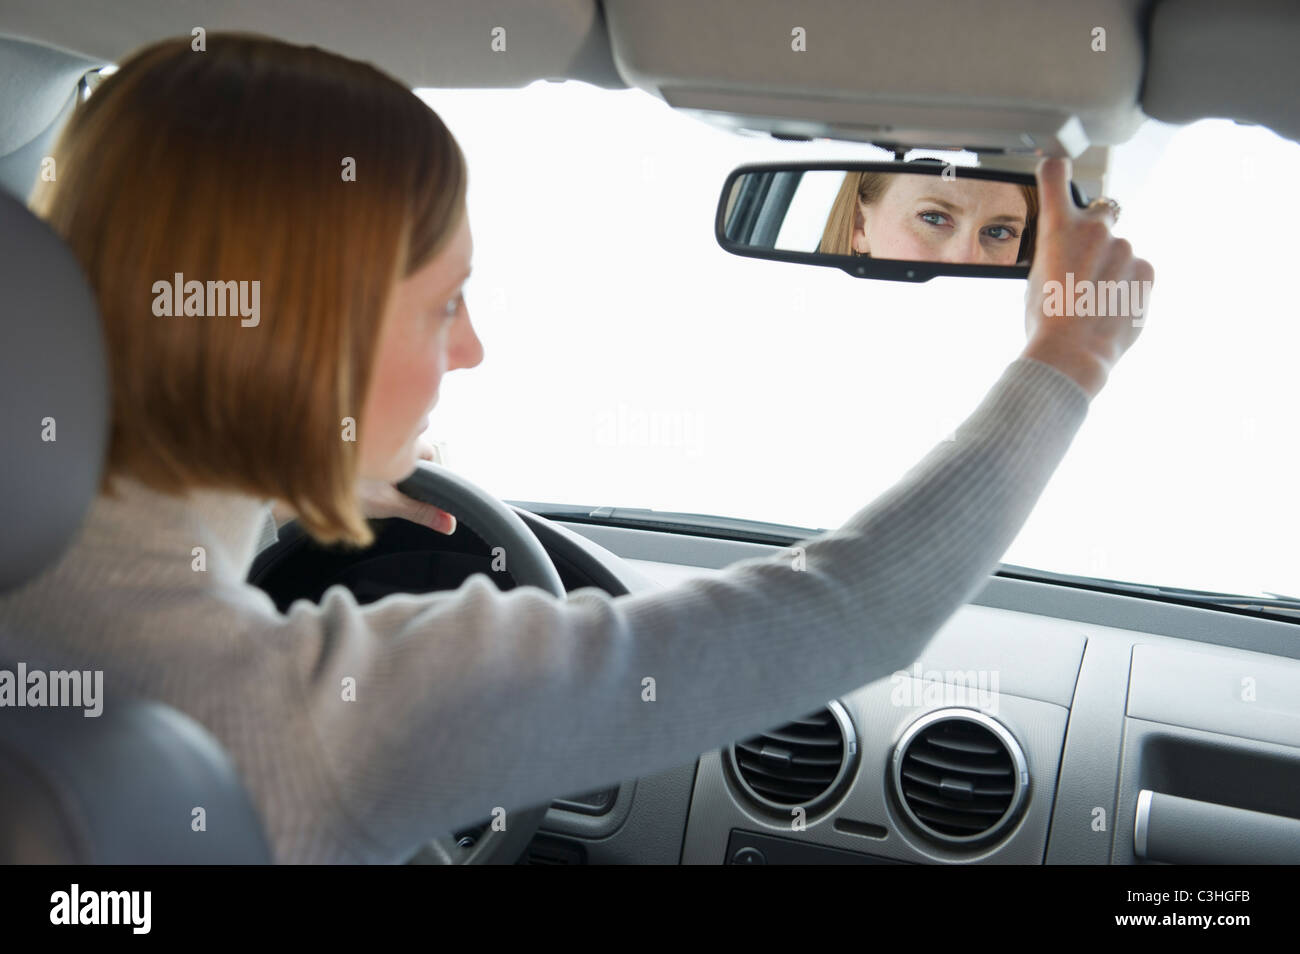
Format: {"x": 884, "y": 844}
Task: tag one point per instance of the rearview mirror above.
{"x": 901, "y": 221}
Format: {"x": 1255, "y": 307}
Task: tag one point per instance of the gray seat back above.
{"x": 121, "y": 787}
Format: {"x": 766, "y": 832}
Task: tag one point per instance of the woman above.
{"x": 924, "y": 218}
{"x": 363, "y": 731}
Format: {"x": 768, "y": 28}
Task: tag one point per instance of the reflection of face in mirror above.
{"x": 927, "y": 218}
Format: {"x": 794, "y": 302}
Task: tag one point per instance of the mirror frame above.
{"x": 885, "y": 269}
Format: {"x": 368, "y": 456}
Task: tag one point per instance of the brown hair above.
{"x": 864, "y": 187}
{"x": 228, "y": 165}
{"x": 867, "y": 187}
{"x": 1028, "y": 238}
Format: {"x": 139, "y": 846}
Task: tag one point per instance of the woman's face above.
{"x": 922, "y": 218}
{"x": 425, "y": 333}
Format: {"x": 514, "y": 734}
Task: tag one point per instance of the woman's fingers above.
{"x": 1055, "y": 204}
{"x": 1087, "y": 289}
{"x": 427, "y": 515}
{"x": 380, "y": 501}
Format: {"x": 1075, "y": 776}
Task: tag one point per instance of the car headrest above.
{"x": 54, "y": 398}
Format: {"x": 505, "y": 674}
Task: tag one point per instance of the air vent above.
{"x": 960, "y": 776}
{"x": 799, "y": 764}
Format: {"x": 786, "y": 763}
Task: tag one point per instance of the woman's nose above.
{"x": 964, "y": 249}
{"x": 466, "y": 349}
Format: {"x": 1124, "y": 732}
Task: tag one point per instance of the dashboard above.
{"x": 1041, "y": 724}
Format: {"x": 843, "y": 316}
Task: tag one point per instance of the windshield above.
{"x": 631, "y": 362}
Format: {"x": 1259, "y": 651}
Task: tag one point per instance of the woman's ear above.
{"x": 858, "y": 241}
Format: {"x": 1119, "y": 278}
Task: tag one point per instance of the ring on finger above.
{"x": 1107, "y": 205}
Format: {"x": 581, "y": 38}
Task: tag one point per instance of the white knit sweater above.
{"x": 471, "y": 699}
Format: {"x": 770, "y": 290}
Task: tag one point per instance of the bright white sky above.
{"x": 631, "y": 362}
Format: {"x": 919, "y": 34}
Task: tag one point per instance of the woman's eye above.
{"x": 933, "y": 218}
{"x": 452, "y": 308}
{"x": 1004, "y": 234}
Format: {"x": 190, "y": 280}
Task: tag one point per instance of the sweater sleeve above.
{"x": 473, "y": 699}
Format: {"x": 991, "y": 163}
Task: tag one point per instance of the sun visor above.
{"x": 1236, "y": 60}
{"x": 1019, "y": 76}
{"x": 439, "y": 43}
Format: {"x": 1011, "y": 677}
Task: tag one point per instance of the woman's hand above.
{"x": 1078, "y": 243}
{"x": 381, "y": 500}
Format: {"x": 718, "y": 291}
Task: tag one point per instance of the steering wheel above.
{"x": 498, "y": 526}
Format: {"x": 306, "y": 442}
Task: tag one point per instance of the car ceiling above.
{"x": 1014, "y": 75}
